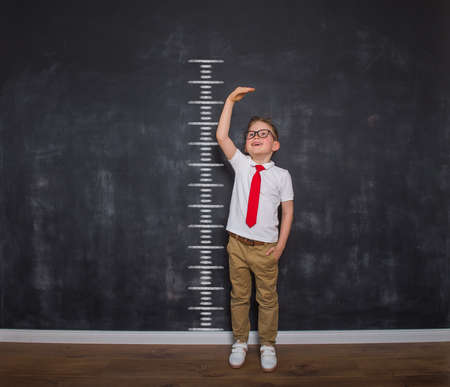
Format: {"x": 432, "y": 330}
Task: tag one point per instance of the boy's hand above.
{"x": 240, "y": 93}
{"x": 275, "y": 251}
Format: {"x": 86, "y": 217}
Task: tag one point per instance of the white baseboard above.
{"x": 217, "y": 338}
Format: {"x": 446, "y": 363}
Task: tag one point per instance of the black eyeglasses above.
{"x": 262, "y": 133}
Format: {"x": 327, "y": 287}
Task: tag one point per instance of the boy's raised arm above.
{"x": 225, "y": 142}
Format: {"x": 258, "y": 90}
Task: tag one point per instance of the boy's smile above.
{"x": 256, "y": 143}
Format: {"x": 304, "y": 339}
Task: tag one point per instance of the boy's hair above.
{"x": 266, "y": 120}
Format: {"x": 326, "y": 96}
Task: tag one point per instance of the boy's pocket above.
{"x": 269, "y": 259}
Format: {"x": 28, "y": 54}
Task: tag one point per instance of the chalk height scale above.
{"x": 203, "y": 285}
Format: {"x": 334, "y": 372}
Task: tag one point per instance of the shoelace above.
{"x": 267, "y": 351}
{"x": 237, "y": 347}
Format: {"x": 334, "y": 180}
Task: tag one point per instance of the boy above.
{"x": 254, "y": 244}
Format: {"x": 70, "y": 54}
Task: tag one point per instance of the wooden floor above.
{"x": 368, "y": 365}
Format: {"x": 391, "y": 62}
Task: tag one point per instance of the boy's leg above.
{"x": 265, "y": 268}
{"x": 241, "y": 289}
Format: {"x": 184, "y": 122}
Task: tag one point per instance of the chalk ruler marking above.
{"x": 205, "y": 305}
{"x": 205, "y": 60}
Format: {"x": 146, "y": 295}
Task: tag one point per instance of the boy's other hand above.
{"x": 240, "y": 93}
{"x": 275, "y": 251}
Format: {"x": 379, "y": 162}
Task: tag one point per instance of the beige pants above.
{"x": 245, "y": 259}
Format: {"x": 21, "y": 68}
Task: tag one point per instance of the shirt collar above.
{"x": 268, "y": 165}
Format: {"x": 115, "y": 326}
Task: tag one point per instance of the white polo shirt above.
{"x": 276, "y": 187}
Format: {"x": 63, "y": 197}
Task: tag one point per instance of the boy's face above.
{"x": 255, "y": 145}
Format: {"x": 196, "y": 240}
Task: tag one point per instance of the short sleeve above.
{"x": 287, "y": 191}
{"x": 238, "y": 160}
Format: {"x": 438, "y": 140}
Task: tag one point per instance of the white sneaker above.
{"x": 268, "y": 358}
{"x": 237, "y": 355}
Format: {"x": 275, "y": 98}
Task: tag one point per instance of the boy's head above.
{"x": 261, "y": 137}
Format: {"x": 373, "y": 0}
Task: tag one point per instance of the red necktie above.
{"x": 253, "y": 198}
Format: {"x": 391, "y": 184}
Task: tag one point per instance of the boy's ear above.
{"x": 275, "y": 146}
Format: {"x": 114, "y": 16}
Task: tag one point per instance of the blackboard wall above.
{"x": 95, "y": 161}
